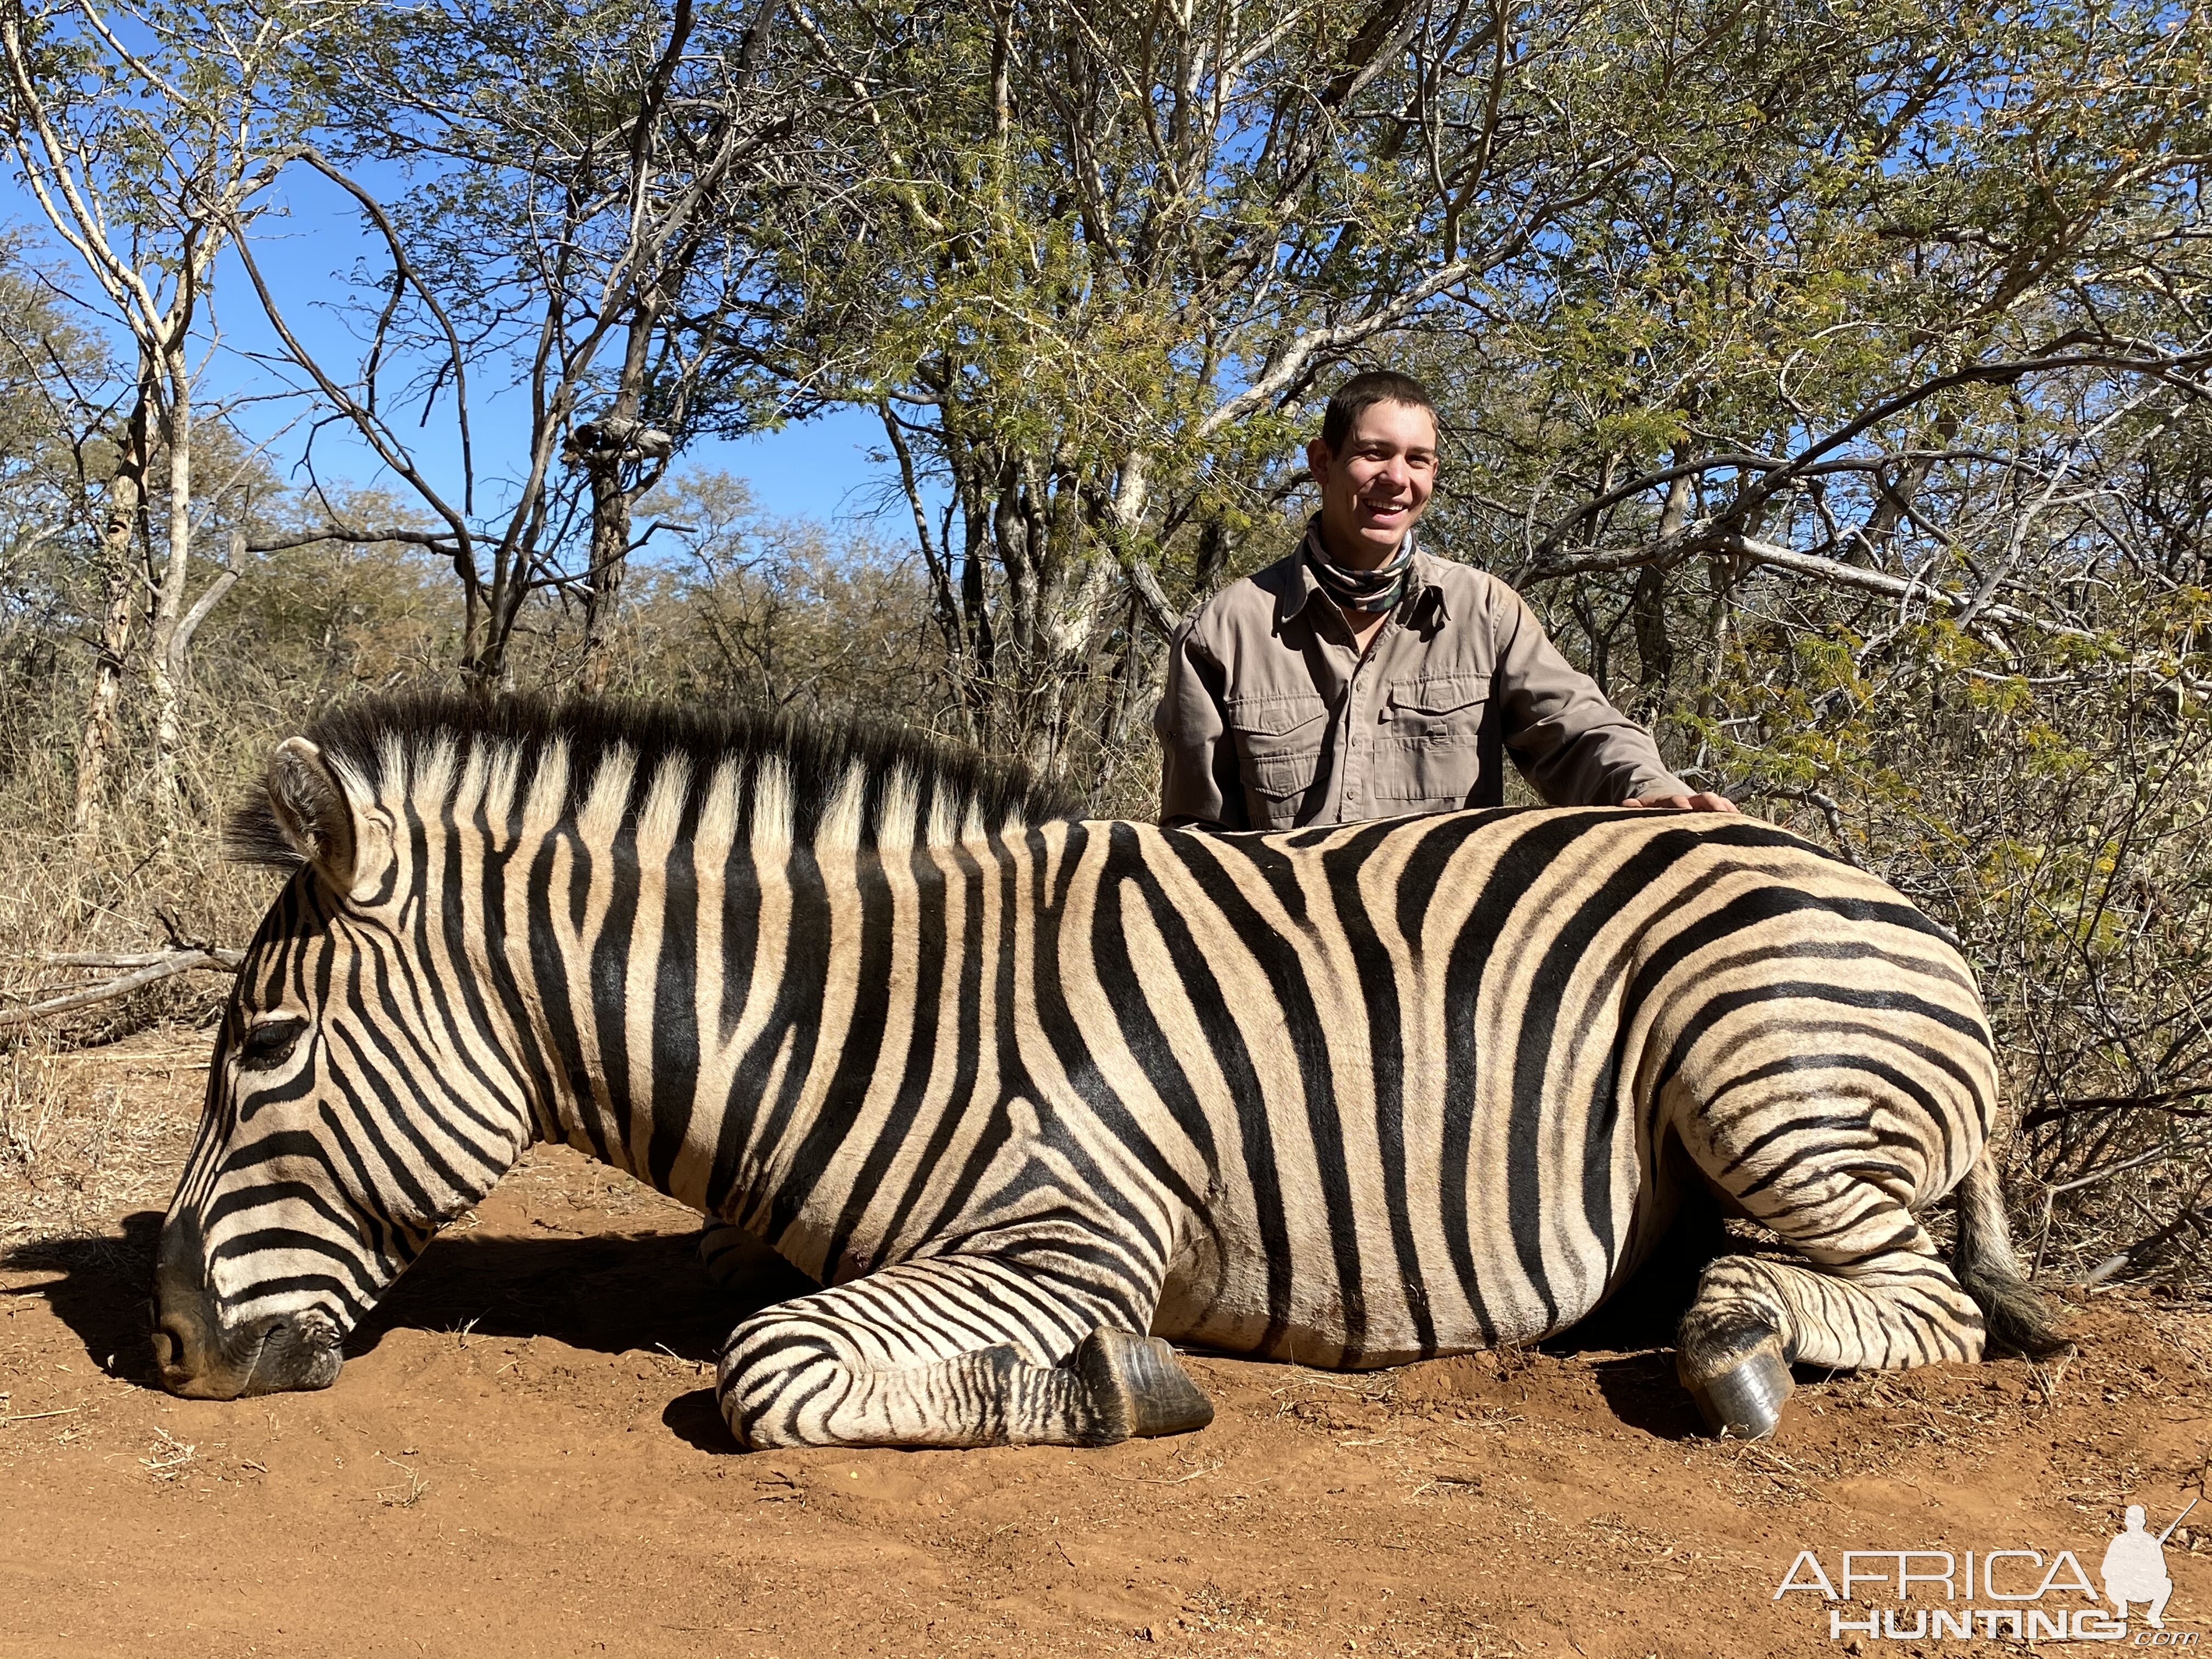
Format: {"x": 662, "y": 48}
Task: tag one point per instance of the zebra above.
{"x": 1034, "y": 1098}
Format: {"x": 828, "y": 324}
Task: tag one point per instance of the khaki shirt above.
{"x": 1273, "y": 720}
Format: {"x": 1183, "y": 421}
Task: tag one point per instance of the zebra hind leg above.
{"x": 1872, "y": 1294}
{"x": 950, "y": 1352}
{"x": 1730, "y": 1356}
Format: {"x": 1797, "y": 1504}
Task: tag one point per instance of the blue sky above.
{"x": 307, "y": 246}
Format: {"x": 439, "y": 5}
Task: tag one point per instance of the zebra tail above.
{"x": 2015, "y": 1315}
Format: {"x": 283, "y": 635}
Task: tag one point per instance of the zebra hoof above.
{"x": 1743, "y": 1400}
{"x": 1138, "y": 1388}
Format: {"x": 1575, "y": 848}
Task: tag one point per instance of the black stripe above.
{"x": 529, "y": 1058}
{"x": 550, "y": 972}
{"x": 1077, "y": 1064}
{"x": 909, "y": 1102}
{"x": 1563, "y": 968}
{"x": 447, "y": 978}
{"x": 968, "y": 1044}
{"x": 1005, "y": 867}
{"x": 801, "y": 993}
{"x": 1280, "y": 957}
{"x": 842, "y": 1103}
{"x": 1717, "y": 1007}
{"x": 610, "y": 966}
{"x": 675, "y": 1005}
{"x": 1518, "y": 866}
{"x": 1384, "y": 1021}
{"x": 406, "y": 1066}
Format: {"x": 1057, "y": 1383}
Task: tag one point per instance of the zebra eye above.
{"x": 269, "y": 1043}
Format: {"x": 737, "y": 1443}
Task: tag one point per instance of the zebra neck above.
{"x": 727, "y": 1022}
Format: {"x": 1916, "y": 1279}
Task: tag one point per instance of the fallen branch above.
{"x": 2120, "y": 1261}
{"x": 148, "y": 968}
{"x": 226, "y": 959}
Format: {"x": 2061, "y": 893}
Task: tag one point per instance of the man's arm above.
{"x": 1199, "y": 784}
{"x": 1577, "y": 749}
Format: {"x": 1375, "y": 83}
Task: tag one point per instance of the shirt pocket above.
{"x": 1430, "y": 758}
{"x": 1279, "y": 741}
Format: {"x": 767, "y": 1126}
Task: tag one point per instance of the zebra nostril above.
{"x": 170, "y": 1346}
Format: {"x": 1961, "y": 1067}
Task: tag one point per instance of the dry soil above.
{"x": 522, "y": 1457}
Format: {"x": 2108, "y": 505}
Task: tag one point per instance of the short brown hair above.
{"x": 1361, "y": 393}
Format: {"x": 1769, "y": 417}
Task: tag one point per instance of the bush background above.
{"x": 1831, "y": 378}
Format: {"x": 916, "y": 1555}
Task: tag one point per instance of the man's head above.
{"x": 1376, "y": 462}
{"x": 2135, "y": 1517}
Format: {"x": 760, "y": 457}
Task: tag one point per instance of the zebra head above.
{"x": 352, "y": 1105}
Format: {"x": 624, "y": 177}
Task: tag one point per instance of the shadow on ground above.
{"x": 611, "y": 1293}
{"x": 100, "y": 1290}
{"x": 696, "y": 1418}
{"x": 608, "y": 1293}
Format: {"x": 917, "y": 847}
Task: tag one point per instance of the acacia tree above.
{"x": 573, "y": 229}
{"x": 1089, "y": 265}
{"x": 55, "y": 386}
{"x": 1948, "y": 274}
{"x": 1081, "y": 257}
{"x": 147, "y": 155}
{"x": 59, "y": 450}
{"x": 1856, "y": 437}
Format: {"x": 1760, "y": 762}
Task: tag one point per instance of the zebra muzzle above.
{"x": 201, "y": 1358}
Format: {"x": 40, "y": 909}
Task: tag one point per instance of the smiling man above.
{"x": 1361, "y": 677}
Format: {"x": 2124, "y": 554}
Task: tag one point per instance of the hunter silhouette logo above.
{"x": 2135, "y": 1568}
{"x": 2019, "y": 1594}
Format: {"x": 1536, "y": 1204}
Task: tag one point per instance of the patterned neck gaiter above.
{"x": 1359, "y": 590}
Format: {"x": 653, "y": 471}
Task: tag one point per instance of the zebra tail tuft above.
{"x": 2015, "y": 1315}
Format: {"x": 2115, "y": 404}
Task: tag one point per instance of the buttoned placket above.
{"x": 1356, "y": 720}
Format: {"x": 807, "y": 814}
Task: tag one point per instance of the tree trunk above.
{"x": 169, "y": 594}
{"x": 127, "y": 497}
{"x": 603, "y": 578}
{"x": 621, "y": 455}
{"x": 181, "y": 646}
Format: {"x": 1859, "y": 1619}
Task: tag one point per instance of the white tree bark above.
{"x": 163, "y": 669}
{"x": 118, "y": 617}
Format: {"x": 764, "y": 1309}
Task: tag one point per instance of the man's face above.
{"x": 1374, "y": 489}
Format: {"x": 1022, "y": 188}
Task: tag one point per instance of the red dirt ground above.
{"x": 523, "y": 1458}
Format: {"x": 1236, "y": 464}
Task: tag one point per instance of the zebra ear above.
{"x": 312, "y": 814}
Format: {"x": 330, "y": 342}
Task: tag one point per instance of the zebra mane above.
{"x": 877, "y": 783}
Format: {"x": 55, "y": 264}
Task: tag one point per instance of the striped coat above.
{"x": 1024, "y": 1091}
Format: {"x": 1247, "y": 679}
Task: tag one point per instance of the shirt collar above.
{"x": 1422, "y": 585}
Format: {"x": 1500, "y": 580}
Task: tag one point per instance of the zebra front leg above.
{"x": 733, "y": 1257}
{"x": 950, "y": 1352}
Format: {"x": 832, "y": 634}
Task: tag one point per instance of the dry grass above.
{"x": 30, "y": 1101}
{"x": 2090, "y": 1008}
{"x": 87, "y": 1132}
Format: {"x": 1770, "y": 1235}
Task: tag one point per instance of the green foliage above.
{"x": 1831, "y": 376}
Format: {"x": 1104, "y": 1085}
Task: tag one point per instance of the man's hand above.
{"x": 1703, "y": 802}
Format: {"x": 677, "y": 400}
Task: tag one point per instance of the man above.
{"x": 1361, "y": 678}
